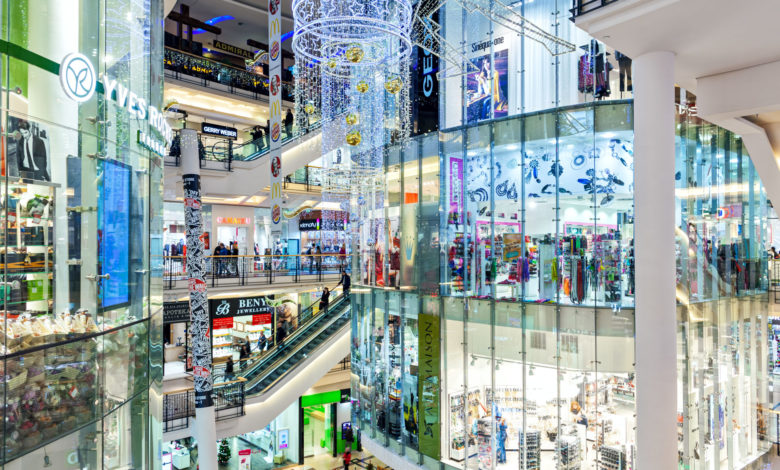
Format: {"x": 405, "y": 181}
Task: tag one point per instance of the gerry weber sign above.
{"x": 78, "y": 81}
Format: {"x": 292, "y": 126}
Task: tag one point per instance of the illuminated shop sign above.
{"x": 235, "y": 50}
{"x": 221, "y": 131}
{"x": 78, "y": 81}
{"x": 234, "y": 220}
{"x": 229, "y": 308}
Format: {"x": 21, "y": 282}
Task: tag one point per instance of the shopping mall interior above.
{"x": 389, "y": 234}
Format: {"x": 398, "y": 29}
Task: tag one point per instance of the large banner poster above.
{"x": 275, "y": 102}
{"x": 488, "y": 87}
{"x": 429, "y": 385}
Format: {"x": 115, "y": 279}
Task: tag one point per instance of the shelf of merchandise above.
{"x": 568, "y": 453}
{"x": 612, "y": 458}
{"x": 530, "y": 445}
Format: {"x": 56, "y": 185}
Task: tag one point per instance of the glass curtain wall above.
{"x": 722, "y": 295}
{"x": 528, "y": 339}
{"x": 80, "y": 236}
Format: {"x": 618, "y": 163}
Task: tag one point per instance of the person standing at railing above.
{"x": 234, "y": 254}
{"x": 319, "y": 259}
{"x": 345, "y": 282}
{"x": 343, "y": 255}
{"x": 311, "y": 258}
{"x": 219, "y": 251}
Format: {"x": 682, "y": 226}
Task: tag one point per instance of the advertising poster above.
{"x": 513, "y": 246}
{"x": 488, "y": 87}
{"x": 275, "y": 105}
{"x": 456, "y": 190}
{"x": 284, "y": 438}
{"x": 245, "y": 459}
{"x": 429, "y": 386}
{"x": 28, "y": 150}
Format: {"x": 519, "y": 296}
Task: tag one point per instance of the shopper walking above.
{"x": 319, "y": 259}
{"x": 347, "y": 459}
{"x": 324, "y": 300}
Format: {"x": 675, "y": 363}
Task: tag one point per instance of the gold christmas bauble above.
{"x": 309, "y": 108}
{"x": 362, "y": 86}
{"x": 351, "y": 119}
{"x": 393, "y": 84}
{"x": 353, "y": 137}
{"x": 332, "y": 63}
{"x": 354, "y": 53}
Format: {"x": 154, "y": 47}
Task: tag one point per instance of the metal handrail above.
{"x": 269, "y": 370}
{"x": 581, "y": 7}
{"x": 259, "y": 356}
{"x": 305, "y": 319}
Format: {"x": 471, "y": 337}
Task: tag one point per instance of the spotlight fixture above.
{"x": 473, "y": 359}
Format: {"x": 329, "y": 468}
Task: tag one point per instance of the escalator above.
{"x": 312, "y": 333}
{"x": 273, "y": 381}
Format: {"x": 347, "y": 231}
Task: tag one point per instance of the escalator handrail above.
{"x": 249, "y": 364}
{"x": 284, "y": 374}
{"x": 307, "y": 316}
{"x": 339, "y": 311}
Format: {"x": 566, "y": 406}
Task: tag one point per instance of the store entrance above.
{"x": 228, "y": 234}
{"x": 317, "y": 430}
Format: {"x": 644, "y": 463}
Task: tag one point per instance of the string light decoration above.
{"x": 352, "y": 73}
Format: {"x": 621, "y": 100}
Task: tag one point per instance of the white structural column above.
{"x": 654, "y": 251}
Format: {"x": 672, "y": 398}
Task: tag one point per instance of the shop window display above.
{"x": 537, "y": 296}
{"x": 80, "y": 223}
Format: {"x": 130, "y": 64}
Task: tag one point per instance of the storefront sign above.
{"x": 228, "y": 308}
{"x": 137, "y": 107}
{"x": 78, "y": 81}
{"x": 428, "y": 385}
{"x": 176, "y": 312}
{"x": 482, "y": 45}
{"x": 231, "y": 49}
{"x": 150, "y": 143}
{"x": 77, "y": 77}
{"x": 234, "y": 220}
{"x": 345, "y": 395}
{"x": 221, "y": 131}
{"x": 425, "y": 109}
{"x": 313, "y": 225}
